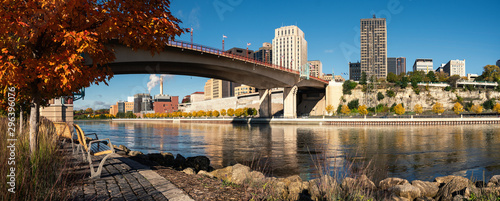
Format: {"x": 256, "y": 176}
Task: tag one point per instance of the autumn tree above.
{"x": 345, "y": 109}
{"x": 438, "y": 108}
{"x": 496, "y": 108}
{"x": 215, "y": 113}
{"x": 223, "y": 112}
{"x": 476, "y": 108}
{"x": 399, "y": 109}
{"x": 418, "y": 109}
{"x": 458, "y": 108}
{"x": 43, "y": 43}
{"x": 329, "y": 109}
{"x": 230, "y": 112}
{"x": 362, "y": 110}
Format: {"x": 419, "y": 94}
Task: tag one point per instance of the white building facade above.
{"x": 289, "y": 47}
{"x": 316, "y": 68}
{"x": 423, "y": 65}
{"x": 455, "y": 67}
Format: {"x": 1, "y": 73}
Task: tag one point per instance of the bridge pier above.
{"x": 265, "y": 105}
{"x": 290, "y": 102}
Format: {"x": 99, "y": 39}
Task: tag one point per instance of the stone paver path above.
{"x": 124, "y": 179}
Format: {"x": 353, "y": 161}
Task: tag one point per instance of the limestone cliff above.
{"x": 426, "y": 98}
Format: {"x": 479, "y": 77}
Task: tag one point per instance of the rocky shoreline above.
{"x": 326, "y": 187}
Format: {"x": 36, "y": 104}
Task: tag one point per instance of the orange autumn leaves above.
{"x": 42, "y": 42}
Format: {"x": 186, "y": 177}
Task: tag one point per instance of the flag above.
{"x": 248, "y": 44}
{"x": 224, "y": 36}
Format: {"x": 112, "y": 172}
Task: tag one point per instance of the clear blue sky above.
{"x": 441, "y": 30}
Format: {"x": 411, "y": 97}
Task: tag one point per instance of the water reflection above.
{"x": 410, "y": 152}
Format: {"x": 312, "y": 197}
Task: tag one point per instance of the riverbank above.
{"x": 240, "y": 182}
{"x": 412, "y": 120}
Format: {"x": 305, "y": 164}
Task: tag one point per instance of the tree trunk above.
{"x": 34, "y": 121}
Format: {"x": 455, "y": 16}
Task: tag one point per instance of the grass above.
{"x": 40, "y": 177}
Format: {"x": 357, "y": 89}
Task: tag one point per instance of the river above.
{"x": 409, "y": 152}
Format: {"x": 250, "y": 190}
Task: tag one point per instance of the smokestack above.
{"x": 161, "y": 85}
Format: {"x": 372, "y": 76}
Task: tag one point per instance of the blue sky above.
{"x": 441, "y": 30}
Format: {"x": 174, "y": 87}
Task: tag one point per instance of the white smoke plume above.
{"x": 154, "y": 80}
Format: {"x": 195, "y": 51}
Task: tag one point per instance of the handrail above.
{"x": 215, "y": 51}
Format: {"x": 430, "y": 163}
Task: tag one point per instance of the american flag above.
{"x": 223, "y": 36}
{"x": 248, "y": 44}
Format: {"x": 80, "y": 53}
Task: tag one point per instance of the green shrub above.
{"x": 390, "y": 93}
{"x": 489, "y": 104}
{"x": 380, "y": 96}
{"x": 348, "y": 86}
{"x": 354, "y": 104}
{"x": 448, "y": 88}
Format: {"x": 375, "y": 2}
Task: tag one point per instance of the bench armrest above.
{"x": 94, "y": 134}
{"x": 110, "y": 145}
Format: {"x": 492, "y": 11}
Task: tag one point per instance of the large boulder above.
{"x": 494, "y": 181}
{"x": 198, "y": 163}
{"x": 224, "y": 173}
{"x": 406, "y": 191}
{"x": 135, "y": 153}
{"x": 257, "y": 177}
{"x": 295, "y": 186}
{"x": 390, "y": 182}
{"x": 452, "y": 187}
{"x": 180, "y": 162}
{"x": 240, "y": 173}
{"x": 428, "y": 189}
{"x": 189, "y": 171}
{"x": 206, "y": 174}
{"x": 359, "y": 183}
{"x": 124, "y": 148}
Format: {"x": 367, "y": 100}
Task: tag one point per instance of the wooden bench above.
{"x": 93, "y": 147}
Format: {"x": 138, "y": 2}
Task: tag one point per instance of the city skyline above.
{"x": 332, "y": 33}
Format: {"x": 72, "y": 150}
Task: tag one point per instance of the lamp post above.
{"x": 191, "y": 37}
{"x": 223, "y": 36}
{"x": 248, "y": 44}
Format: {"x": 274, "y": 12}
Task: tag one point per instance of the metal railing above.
{"x": 215, "y": 51}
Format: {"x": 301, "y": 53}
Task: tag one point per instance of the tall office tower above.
{"x": 423, "y": 65}
{"x": 215, "y": 89}
{"x": 316, "y": 68}
{"x": 455, "y": 67}
{"x": 355, "y": 71}
{"x": 264, "y": 53}
{"x": 396, "y": 65}
{"x": 374, "y": 47}
{"x": 289, "y": 47}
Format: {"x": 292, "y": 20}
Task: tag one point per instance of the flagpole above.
{"x": 191, "y": 37}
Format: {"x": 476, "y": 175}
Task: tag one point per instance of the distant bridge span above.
{"x": 182, "y": 58}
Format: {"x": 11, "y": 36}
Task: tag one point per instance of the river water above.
{"x": 409, "y": 152}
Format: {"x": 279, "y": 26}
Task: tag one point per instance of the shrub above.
{"x": 399, "y": 109}
{"x": 339, "y": 109}
{"x": 448, "y": 88}
{"x": 468, "y": 106}
{"x": 390, "y": 93}
{"x": 348, "y": 86}
{"x": 418, "y": 109}
{"x": 489, "y": 104}
{"x": 345, "y": 109}
{"x": 353, "y": 104}
{"x": 476, "y": 108}
{"x": 362, "y": 110}
{"x": 416, "y": 90}
{"x": 392, "y": 107}
{"x": 438, "y": 108}
{"x": 380, "y": 96}
{"x": 215, "y": 113}
{"x": 230, "y": 112}
{"x": 458, "y": 108}
{"x": 223, "y": 112}
{"x": 380, "y": 108}
{"x": 329, "y": 109}
{"x": 496, "y": 108}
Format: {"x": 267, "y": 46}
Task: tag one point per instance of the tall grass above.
{"x": 40, "y": 177}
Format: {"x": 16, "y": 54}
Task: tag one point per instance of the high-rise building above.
{"x": 455, "y": 67}
{"x": 215, "y": 88}
{"x": 374, "y": 47}
{"x": 423, "y": 65}
{"x": 396, "y": 65}
{"x": 265, "y": 53}
{"x": 289, "y": 47}
{"x": 142, "y": 102}
{"x": 316, "y": 68}
{"x": 354, "y": 71}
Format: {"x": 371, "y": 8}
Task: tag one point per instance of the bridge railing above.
{"x": 215, "y": 51}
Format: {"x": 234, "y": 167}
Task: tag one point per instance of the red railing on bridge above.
{"x": 215, "y": 51}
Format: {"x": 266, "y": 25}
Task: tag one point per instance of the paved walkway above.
{"x": 124, "y": 179}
